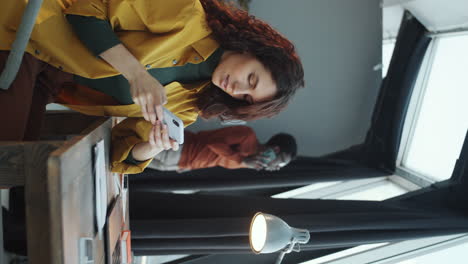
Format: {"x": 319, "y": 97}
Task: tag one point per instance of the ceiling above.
{"x": 436, "y": 15}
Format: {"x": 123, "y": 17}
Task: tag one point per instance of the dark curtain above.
{"x": 257, "y": 259}
{"x": 166, "y": 223}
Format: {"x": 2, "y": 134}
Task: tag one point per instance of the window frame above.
{"x": 341, "y": 188}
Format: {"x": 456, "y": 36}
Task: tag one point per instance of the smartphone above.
{"x": 175, "y": 126}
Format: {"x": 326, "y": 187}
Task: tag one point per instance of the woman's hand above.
{"x": 147, "y": 92}
{"x": 159, "y": 137}
{"x": 158, "y": 141}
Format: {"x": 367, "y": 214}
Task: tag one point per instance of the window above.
{"x": 441, "y": 114}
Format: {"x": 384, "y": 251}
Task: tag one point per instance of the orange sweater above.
{"x": 226, "y": 147}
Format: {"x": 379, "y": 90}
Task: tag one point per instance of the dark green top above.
{"x": 98, "y": 36}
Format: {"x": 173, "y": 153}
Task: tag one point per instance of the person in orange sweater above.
{"x": 231, "y": 147}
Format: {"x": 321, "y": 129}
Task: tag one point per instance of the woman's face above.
{"x": 244, "y": 77}
{"x": 281, "y": 159}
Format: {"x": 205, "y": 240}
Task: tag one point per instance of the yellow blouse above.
{"x": 134, "y": 130}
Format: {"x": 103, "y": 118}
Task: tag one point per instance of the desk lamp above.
{"x": 269, "y": 234}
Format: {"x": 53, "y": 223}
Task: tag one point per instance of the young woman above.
{"x": 131, "y": 57}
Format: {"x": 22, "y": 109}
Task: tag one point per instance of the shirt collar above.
{"x": 206, "y": 46}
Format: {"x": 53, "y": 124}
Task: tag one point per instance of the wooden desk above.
{"x": 59, "y": 192}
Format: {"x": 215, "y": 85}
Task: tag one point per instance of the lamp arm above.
{"x": 297, "y": 247}
{"x": 290, "y": 247}
{"x": 280, "y": 257}
{"x": 293, "y": 246}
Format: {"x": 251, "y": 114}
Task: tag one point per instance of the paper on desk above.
{"x": 117, "y": 186}
{"x": 124, "y": 195}
{"x": 100, "y": 177}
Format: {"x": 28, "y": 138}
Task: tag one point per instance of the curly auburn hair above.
{"x": 237, "y": 31}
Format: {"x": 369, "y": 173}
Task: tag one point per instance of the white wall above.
{"x": 340, "y": 42}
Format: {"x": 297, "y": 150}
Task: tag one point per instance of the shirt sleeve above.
{"x": 132, "y": 131}
{"x": 96, "y": 34}
{"x": 249, "y": 145}
{"x": 125, "y": 136}
{"x": 91, "y": 8}
{"x": 157, "y": 16}
{"x": 144, "y": 19}
{"x": 131, "y": 160}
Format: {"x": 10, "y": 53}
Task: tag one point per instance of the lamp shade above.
{"x": 269, "y": 234}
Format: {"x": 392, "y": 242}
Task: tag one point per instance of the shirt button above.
{"x": 147, "y": 66}
{"x": 37, "y": 52}
{"x": 174, "y": 61}
{"x": 196, "y": 58}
